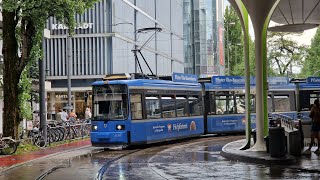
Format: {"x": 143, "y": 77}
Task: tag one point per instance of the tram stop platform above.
{"x": 308, "y": 163}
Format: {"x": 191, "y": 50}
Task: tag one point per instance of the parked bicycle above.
{"x": 37, "y": 137}
{"x": 8, "y": 145}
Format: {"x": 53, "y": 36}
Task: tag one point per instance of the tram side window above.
{"x": 168, "y": 107}
{"x": 136, "y": 106}
{"x": 153, "y": 107}
{"x": 182, "y": 106}
{"x": 195, "y": 105}
{"x": 240, "y": 104}
{"x": 221, "y": 104}
{"x": 281, "y": 103}
{"x": 225, "y": 104}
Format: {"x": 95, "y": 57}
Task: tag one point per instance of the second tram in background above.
{"x": 138, "y": 109}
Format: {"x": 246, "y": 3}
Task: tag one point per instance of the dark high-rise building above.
{"x": 203, "y": 37}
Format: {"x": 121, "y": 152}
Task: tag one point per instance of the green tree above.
{"x": 284, "y": 53}
{"x": 23, "y": 24}
{"x": 234, "y": 49}
{"x": 239, "y": 69}
{"x": 25, "y": 95}
{"x": 312, "y": 62}
{"x": 233, "y": 38}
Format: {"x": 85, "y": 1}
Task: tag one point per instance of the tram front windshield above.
{"x": 110, "y": 102}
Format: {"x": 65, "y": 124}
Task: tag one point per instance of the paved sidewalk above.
{"x": 308, "y": 163}
{"x": 12, "y": 160}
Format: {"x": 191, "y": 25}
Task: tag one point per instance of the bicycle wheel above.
{"x": 61, "y": 133}
{"x": 10, "y": 146}
{"x": 40, "y": 142}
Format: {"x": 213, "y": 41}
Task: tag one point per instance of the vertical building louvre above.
{"x": 104, "y": 37}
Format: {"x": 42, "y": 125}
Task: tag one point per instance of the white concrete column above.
{"x": 260, "y": 13}
{"x": 244, "y": 19}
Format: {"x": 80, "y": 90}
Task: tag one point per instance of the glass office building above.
{"x": 102, "y": 42}
{"x": 203, "y": 35}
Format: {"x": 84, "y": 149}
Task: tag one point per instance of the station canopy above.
{"x": 296, "y": 15}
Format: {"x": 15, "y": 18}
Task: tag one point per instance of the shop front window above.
{"x": 79, "y": 101}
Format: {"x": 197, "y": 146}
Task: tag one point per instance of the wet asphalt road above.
{"x": 191, "y": 159}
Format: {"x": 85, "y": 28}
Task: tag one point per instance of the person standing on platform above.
{"x": 315, "y": 126}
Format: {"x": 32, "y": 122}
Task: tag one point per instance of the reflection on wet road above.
{"x": 196, "y": 160}
{"x": 191, "y": 159}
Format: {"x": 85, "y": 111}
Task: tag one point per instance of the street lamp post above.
{"x": 228, "y": 49}
{"x": 69, "y": 51}
{"x": 42, "y": 91}
{"x": 236, "y": 50}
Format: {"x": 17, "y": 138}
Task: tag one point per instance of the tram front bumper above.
{"x": 109, "y": 138}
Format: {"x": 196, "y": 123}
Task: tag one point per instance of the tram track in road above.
{"x": 104, "y": 165}
{"x": 104, "y": 168}
{"x": 42, "y": 176}
{"x": 65, "y": 164}
{"x": 148, "y": 152}
{"x": 68, "y": 164}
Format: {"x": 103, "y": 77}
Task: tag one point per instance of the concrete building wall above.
{"x": 102, "y": 44}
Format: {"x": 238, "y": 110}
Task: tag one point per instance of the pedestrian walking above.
{"x": 88, "y": 113}
{"x": 53, "y": 112}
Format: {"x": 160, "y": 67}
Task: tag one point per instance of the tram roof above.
{"x": 149, "y": 83}
{"x": 143, "y": 81}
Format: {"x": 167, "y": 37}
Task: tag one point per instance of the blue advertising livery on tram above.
{"x": 225, "y": 104}
{"x": 130, "y": 110}
{"x": 138, "y": 109}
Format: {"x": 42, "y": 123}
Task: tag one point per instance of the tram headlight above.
{"x": 120, "y": 127}
{"x": 94, "y": 127}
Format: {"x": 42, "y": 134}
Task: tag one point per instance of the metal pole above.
{"x": 193, "y": 38}
{"x": 43, "y": 118}
{"x": 135, "y": 37}
{"x": 297, "y": 92}
{"x": 69, "y": 69}
{"x": 228, "y": 49}
{"x": 235, "y": 54}
{"x": 109, "y": 39}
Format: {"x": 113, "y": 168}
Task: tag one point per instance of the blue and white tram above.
{"x": 294, "y": 99}
{"x": 134, "y": 109}
{"x": 225, "y": 105}
{"x": 225, "y": 102}
{"x": 308, "y": 92}
{"x": 141, "y": 111}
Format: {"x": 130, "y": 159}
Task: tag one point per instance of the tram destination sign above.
{"x": 240, "y": 80}
{"x": 313, "y": 80}
{"x": 186, "y": 78}
{"x": 229, "y": 80}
